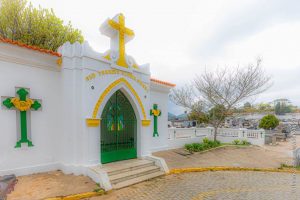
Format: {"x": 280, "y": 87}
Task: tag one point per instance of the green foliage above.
{"x": 207, "y": 144}
{"x": 285, "y": 166}
{"x": 217, "y": 113}
{"x": 35, "y": 26}
{"x": 200, "y": 117}
{"x": 236, "y": 142}
{"x": 205, "y": 140}
{"x": 264, "y": 107}
{"x": 245, "y": 142}
{"x": 269, "y": 122}
{"x": 97, "y": 190}
{"x": 259, "y": 108}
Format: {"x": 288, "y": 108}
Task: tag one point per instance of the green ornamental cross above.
{"x": 22, "y": 105}
{"x": 155, "y": 112}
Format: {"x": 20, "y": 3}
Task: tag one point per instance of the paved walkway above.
{"x": 213, "y": 186}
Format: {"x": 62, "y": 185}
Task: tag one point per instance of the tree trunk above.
{"x": 215, "y": 133}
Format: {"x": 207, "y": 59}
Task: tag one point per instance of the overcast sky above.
{"x": 181, "y": 38}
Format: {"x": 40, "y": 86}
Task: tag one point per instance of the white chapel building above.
{"x": 81, "y": 111}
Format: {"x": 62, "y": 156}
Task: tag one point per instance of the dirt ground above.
{"x": 51, "y": 184}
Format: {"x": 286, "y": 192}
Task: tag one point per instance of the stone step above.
{"x": 137, "y": 180}
{"x": 116, "y": 178}
{"x": 121, "y": 167}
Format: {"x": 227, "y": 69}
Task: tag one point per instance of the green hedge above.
{"x": 207, "y": 144}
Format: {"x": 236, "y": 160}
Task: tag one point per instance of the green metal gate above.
{"x": 118, "y": 129}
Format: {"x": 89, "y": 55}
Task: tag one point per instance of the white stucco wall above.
{"x": 160, "y": 96}
{"x": 20, "y": 67}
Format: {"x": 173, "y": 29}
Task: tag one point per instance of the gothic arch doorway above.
{"x": 118, "y": 130}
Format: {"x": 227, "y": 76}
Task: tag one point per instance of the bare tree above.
{"x": 221, "y": 90}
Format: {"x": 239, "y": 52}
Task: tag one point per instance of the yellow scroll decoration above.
{"x": 156, "y": 112}
{"x": 22, "y": 105}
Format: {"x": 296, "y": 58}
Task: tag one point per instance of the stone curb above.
{"x": 205, "y": 169}
{"x": 78, "y": 196}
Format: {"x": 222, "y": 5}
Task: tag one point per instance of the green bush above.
{"x": 236, "y": 142}
{"x": 188, "y": 147}
{"x": 269, "y": 122}
{"x": 218, "y": 142}
{"x": 245, "y": 142}
{"x": 205, "y": 140}
{"x": 207, "y": 144}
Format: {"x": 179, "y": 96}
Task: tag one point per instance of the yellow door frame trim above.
{"x": 107, "y": 91}
{"x": 146, "y": 122}
{"x": 93, "y": 122}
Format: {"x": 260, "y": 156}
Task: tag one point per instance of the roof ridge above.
{"x": 35, "y": 48}
{"x": 162, "y": 82}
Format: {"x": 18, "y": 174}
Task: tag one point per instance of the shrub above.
{"x": 245, "y": 142}
{"x": 205, "y": 140}
{"x": 188, "y": 147}
{"x": 268, "y": 122}
{"x": 236, "y": 142}
{"x": 197, "y": 147}
{"x": 207, "y": 144}
{"x": 218, "y": 142}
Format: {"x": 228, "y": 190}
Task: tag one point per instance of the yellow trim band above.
{"x": 109, "y": 88}
{"x": 146, "y": 122}
{"x": 93, "y": 122}
{"x": 78, "y": 196}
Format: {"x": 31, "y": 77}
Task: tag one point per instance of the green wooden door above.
{"x": 118, "y": 130}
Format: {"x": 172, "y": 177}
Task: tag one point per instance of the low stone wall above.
{"x": 178, "y": 137}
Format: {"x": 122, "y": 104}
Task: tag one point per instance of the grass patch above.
{"x": 285, "y": 166}
{"x": 210, "y": 144}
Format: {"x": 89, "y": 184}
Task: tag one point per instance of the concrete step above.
{"x": 137, "y": 180}
{"x": 116, "y": 178}
{"x": 125, "y": 166}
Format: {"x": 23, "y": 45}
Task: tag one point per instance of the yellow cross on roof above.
{"x": 123, "y": 31}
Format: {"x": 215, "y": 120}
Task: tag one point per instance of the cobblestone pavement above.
{"x": 213, "y": 186}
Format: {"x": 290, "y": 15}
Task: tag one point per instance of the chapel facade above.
{"x": 77, "y": 108}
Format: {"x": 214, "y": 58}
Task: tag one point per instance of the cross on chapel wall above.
{"x": 119, "y": 34}
{"x": 23, "y": 105}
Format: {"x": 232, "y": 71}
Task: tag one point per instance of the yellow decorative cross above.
{"x": 123, "y": 31}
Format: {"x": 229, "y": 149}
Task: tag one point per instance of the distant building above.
{"x": 281, "y": 102}
{"x": 181, "y": 121}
